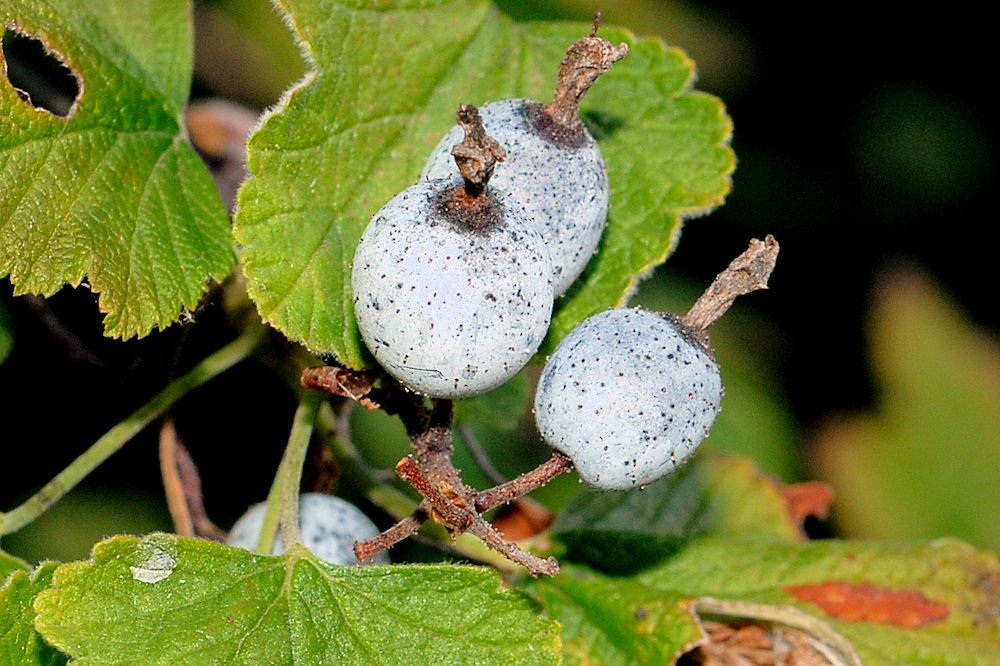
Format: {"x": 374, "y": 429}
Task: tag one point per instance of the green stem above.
{"x": 283, "y": 499}
{"x": 115, "y": 438}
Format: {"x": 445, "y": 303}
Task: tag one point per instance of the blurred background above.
{"x": 864, "y": 145}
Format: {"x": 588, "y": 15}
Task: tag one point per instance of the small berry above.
{"x": 329, "y": 527}
{"x": 628, "y": 396}
{"x": 452, "y": 281}
{"x": 554, "y": 168}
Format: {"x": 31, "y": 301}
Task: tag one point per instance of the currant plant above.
{"x": 105, "y": 191}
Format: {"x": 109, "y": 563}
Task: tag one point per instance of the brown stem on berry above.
{"x": 524, "y": 484}
{"x": 478, "y": 153}
{"x": 585, "y": 60}
{"x": 747, "y": 272}
{"x": 365, "y": 550}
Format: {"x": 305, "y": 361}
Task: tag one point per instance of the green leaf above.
{"x": 715, "y": 493}
{"x": 932, "y": 603}
{"x": 9, "y": 564}
{"x": 924, "y": 462}
{"x": 872, "y": 603}
{"x": 112, "y": 193}
{"x": 19, "y": 642}
{"x": 385, "y": 88}
{"x": 615, "y": 621}
{"x": 168, "y": 599}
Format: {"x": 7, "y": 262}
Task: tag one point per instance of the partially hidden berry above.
{"x": 329, "y": 527}
{"x": 554, "y": 167}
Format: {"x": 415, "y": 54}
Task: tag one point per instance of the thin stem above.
{"x": 173, "y": 485}
{"x": 747, "y": 272}
{"x": 182, "y": 484}
{"x": 407, "y": 527}
{"x": 283, "y": 499}
{"x": 479, "y": 455}
{"x": 124, "y": 431}
{"x": 524, "y": 484}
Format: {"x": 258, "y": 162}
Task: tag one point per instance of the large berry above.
{"x": 628, "y": 395}
{"x": 329, "y": 528}
{"x": 553, "y": 164}
{"x": 562, "y": 185}
{"x": 452, "y": 284}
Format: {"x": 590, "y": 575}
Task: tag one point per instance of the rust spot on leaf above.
{"x": 865, "y": 602}
{"x": 811, "y": 498}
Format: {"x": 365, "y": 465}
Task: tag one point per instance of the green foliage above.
{"x": 952, "y": 578}
{"x": 19, "y": 642}
{"x": 168, "y": 599}
{"x": 359, "y": 128}
{"x": 715, "y": 493}
{"x": 925, "y": 462}
{"x": 931, "y": 603}
{"x": 113, "y": 193}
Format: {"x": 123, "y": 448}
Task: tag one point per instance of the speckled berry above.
{"x": 628, "y": 396}
{"x": 554, "y": 167}
{"x": 451, "y": 309}
{"x": 329, "y": 528}
{"x": 563, "y": 187}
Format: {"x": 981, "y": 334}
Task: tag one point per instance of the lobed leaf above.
{"x": 872, "y": 603}
{"x": 112, "y": 193}
{"x": 168, "y": 599}
{"x": 19, "y": 642}
{"x": 385, "y": 87}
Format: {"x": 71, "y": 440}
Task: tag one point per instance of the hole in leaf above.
{"x": 38, "y": 75}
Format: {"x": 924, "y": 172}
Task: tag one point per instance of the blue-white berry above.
{"x": 452, "y": 281}
{"x": 564, "y": 187}
{"x": 553, "y": 166}
{"x": 329, "y": 527}
{"x": 628, "y": 396}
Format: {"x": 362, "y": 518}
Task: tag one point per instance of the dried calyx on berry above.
{"x": 451, "y": 278}
{"x": 554, "y": 168}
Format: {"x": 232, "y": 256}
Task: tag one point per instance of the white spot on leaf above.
{"x": 157, "y": 567}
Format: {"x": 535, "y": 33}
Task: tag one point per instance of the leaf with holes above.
{"x": 385, "y": 87}
{"x": 105, "y": 187}
{"x": 168, "y": 599}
